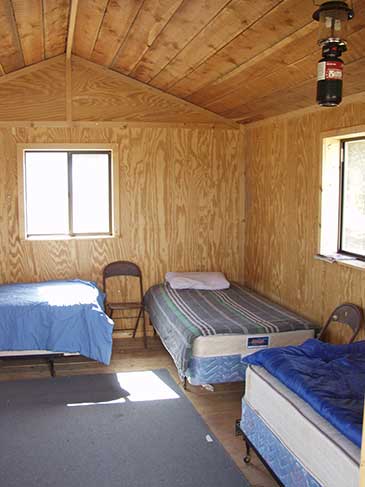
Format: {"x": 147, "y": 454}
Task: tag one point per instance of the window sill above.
{"x": 342, "y": 260}
{"x": 68, "y": 238}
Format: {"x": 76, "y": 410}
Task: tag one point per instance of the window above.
{"x": 352, "y": 212}
{"x": 342, "y": 224}
{"x": 68, "y": 193}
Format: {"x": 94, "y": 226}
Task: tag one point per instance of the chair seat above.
{"x": 122, "y": 306}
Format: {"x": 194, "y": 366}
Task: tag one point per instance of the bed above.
{"x": 54, "y": 317}
{"x": 302, "y": 412}
{"x": 207, "y": 332}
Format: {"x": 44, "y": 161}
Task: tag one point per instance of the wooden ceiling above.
{"x": 243, "y": 59}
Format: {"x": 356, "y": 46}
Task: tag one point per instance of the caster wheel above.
{"x": 247, "y": 459}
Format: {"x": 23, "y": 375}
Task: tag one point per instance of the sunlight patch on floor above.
{"x": 137, "y": 386}
{"x": 145, "y": 386}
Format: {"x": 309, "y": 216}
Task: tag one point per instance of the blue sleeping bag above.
{"x": 330, "y": 378}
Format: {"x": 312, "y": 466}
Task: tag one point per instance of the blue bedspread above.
{"x": 330, "y": 378}
{"x": 58, "y": 316}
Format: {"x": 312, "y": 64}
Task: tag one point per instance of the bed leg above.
{"x": 185, "y": 385}
{"x": 51, "y": 367}
{"x": 247, "y": 457}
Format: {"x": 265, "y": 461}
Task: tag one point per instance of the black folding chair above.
{"x": 125, "y": 269}
{"x": 346, "y": 314}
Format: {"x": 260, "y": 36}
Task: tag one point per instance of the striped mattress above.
{"x": 182, "y": 316}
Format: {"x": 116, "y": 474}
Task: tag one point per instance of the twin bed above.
{"x": 302, "y": 412}
{"x": 54, "y": 317}
{"x": 207, "y": 332}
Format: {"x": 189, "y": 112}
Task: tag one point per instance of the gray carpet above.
{"x": 106, "y": 431}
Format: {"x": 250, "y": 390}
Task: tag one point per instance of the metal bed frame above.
{"x": 49, "y": 359}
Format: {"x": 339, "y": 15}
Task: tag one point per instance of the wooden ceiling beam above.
{"x": 71, "y": 28}
{"x": 122, "y": 124}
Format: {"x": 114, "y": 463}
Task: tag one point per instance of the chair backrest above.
{"x": 122, "y": 268}
{"x": 347, "y": 314}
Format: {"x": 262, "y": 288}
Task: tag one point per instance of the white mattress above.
{"x": 223, "y": 345}
{"x": 323, "y": 451}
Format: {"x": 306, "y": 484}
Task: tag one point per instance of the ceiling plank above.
{"x": 71, "y": 28}
{"x": 234, "y": 19}
{"x": 300, "y": 96}
{"x": 11, "y": 56}
{"x": 188, "y": 21}
{"x": 118, "y": 18}
{"x": 88, "y": 22}
{"x": 55, "y": 21}
{"x": 282, "y": 21}
{"x": 264, "y": 63}
{"x": 148, "y": 25}
{"x": 277, "y": 74}
{"x": 291, "y": 49}
{"x": 29, "y": 21}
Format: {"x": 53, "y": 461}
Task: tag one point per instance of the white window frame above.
{"x": 330, "y": 196}
{"x": 113, "y": 148}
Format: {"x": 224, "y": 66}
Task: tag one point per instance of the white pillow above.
{"x": 197, "y": 280}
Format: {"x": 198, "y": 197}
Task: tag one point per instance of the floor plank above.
{"x": 219, "y": 409}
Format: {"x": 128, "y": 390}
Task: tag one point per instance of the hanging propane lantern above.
{"x": 332, "y": 18}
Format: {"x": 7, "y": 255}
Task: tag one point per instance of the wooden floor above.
{"x": 219, "y": 409}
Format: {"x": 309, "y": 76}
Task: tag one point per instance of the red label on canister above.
{"x": 329, "y": 70}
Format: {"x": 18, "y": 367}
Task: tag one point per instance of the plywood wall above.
{"x": 282, "y": 210}
{"x": 181, "y": 205}
{"x": 83, "y": 92}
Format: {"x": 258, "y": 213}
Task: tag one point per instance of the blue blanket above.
{"x": 58, "y": 316}
{"x": 330, "y": 378}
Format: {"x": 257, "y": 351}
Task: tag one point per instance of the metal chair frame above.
{"x": 347, "y": 314}
{"x": 123, "y": 268}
